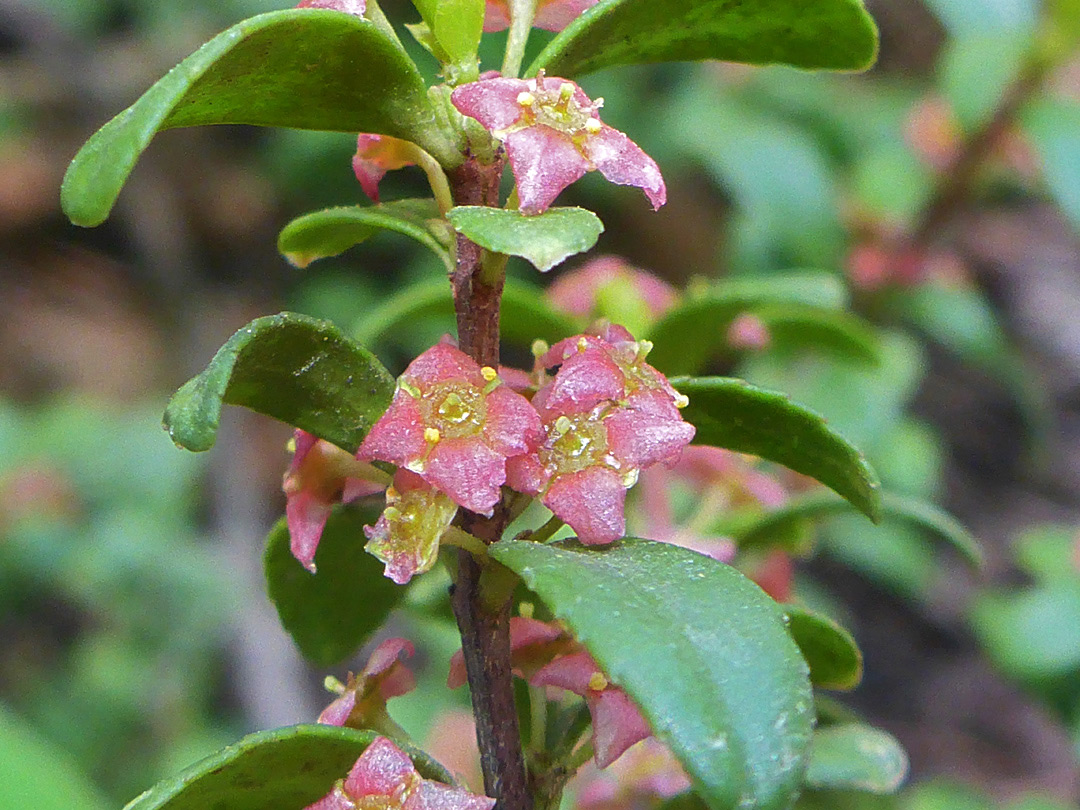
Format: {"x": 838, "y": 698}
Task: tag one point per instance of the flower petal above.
{"x": 513, "y": 426}
{"x": 544, "y": 162}
{"x": 468, "y": 471}
{"x": 493, "y": 102}
{"x": 440, "y": 363}
{"x": 354, "y": 7}
{"x": 617, "y": 724}
{"x": 622, "y": 161}
{"x": 555, "y": 15}
{"x": 640, "y": 439}
{"x": 380, "y": 770}
{"x": 591, "y": 502}
{"x": 429, "y": 795}
{"x": 334, "y": 800}
{"x": 306, "y": 515}
{"x": 398, "y": 436}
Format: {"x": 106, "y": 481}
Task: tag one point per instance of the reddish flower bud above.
{"x": 378, "y": 154}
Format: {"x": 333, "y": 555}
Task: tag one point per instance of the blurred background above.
{"x": 942, "y": 189}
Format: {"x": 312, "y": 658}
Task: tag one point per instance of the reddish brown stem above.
{"x": 485, "y": 629}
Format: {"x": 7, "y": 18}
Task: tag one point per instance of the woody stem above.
{"x": 485, "y": 628}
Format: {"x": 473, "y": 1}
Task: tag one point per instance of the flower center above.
{"x": 574, "y": 443}
{"x": 559, "y": 109}
{"x": 456, "y": 410}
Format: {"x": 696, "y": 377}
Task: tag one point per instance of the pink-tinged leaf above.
{"x": 623, "y": 162}
{"x": 591, "y": 502}
{"x": 354, "y": 7}
{"x": 382, "y": 770}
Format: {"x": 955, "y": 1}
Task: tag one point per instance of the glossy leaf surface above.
{"x": 332, "y": 612}
{"x": 334, "y": 230}
{"x": 299, "y": 68}
{"x": 545, "y": 239}
{"x": 833, "y": 656}
{"x": 300, "y": 370}
{"x": 856, "y": 756}
{"x": 829, "y": 34}
{"x": 701, "y": 650}
{"x": 525, "y": 313}
{"x": 735, "y": 415}
{"x": 283, "y": 769}
{"x": 919, "y": 513}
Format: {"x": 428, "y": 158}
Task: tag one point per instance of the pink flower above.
{"x": 551, "y": 15}
{"x": 378, "y": 154}
{"x": 320, "y": 476}
{"x": 607, "y": 414}
{"x": 455, "y": 425}
{"x": 406, "y": 536}
{"x": 748, "y": 332}
{"x": 617, "y": 723}
{"x": 553, "y": 136}
{"x": 648, "y": 772}
{"x": 354, "y": 7}
{"x": 533, "y": 644}
{"x": 385, "y": 777}
{"x": 610, "y": 287}
{"x": 383, "y": 677}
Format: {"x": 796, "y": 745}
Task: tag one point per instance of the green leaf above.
{"x": 300, "y": 370}
{"x": 543, "y": 239}
{"x": 737, "y": 416}
{"x": 833, "y": 656}
{"x": 525, "y": 313}
{"x": 332, "y": 612}
{"x": 335, "y": 230}
{"x": 829, "y": 34}
{"x": 1031, "y": 634}
{"x": 915, "y": 511}
{"x": 299, "y": 68}
{"x": 458, "y": 26}
{"x": 701, "y": 650}
{"x": 1053, "y": 126}
{"x": 283, "y": 769}
{"x": 39, "y": 775}
{"x": 856, "y": 756}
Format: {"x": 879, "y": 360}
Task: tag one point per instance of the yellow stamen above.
{"x": 525, "y": 610}
{"x": 540, "y": 348}
{"x": 681, "y": 401}
{"x": 432, "y": 435}
{"x": 562, "y": 425}
{"x": 488, "y": 373}
{"x": 526, "y": 99}
{"x": 593, "y": 126}
{"x": 582, "y": 344}
{"x": 597, "y": 682}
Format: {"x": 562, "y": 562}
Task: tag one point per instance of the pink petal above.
{"x": 526, "y": 474}
{"x": 369, "y": 174}
{"x": 544, "y": 162}
{"x": 492, "y": 102}
{"x": 571, "y": 672}
{"x": 381, "y": 769}
{"x": 303, "y": 442}
{"x": 306, "y": 516}
{"x": 354, "y": 7}
{"x": 591, "y": 503}
{"x": 515, "y": 379}
{"x": 440, "y": 363}
{"x": 334, "y": 800}
{"x": 337, "y": 713}
{"x": 359, "y": 488}
{"x": 622, "y": 161}
{"x": 429, "y": 795}
{"x": 525, "y": 636}
{"x": 468, "y": 471}
{"x": 555, "y": 15}
{"x": 585, "y": 379}
{"x": 617, "y": 724}
{"x": 513, "y": 426}
{"x": 496, "y": 16}
{"x": 639, "y": 439}
{"x": 386, "y": 655}
{"x": 398, "y": 436}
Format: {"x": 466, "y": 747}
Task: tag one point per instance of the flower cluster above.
{"x": 384, "y": 777}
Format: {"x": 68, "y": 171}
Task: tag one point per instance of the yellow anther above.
{"x": 582, "y": 344}
{"x": 526, "y": 99}
{"x": 332, "y": 684}
{"x": 432, "y": 435}
{"x": 488, "y": 373}
{"x": 681, "y": 401}
{"x": 593, "y": 126}
{"x": 290, "y": 445}
{"x": 563, "y": 425}
{"x": 525, "y": 610}
{"x": 540, "y": 348}
{"x": 597, "y": 682}
{"x": 566, "y": 90}
{"x": 644, "y": 347}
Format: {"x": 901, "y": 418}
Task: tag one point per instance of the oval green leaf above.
{"x": 819, "y": 34}
{"x": 330, "y": 613}
{"x": 855, "y": 756}
{"x": 525, "y": 313}
{"x": 737, "y": 416}
{"x": 299, "y": 68}
{"x": 334, "y": 230}
{"x": 545, "y": 239}
{"x": 833, "y": 656}
{"x": 300, "y": 370}
{"x": 701, "y": 649}
{"x": 922, "y": 514}
{"x": 283, "y": 769}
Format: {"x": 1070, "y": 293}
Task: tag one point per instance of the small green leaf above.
{"x": 525, "y": 313}
{"x": 283, "y": 769}
{"x": 300, "y": 370}
{"x": 834, "y": 658}
{"x": 701, "y": 650}
{"x": 735, "y": 415}
{"x": 299, "y": 68}
{"x": 334, "y": 230}
{"x": 544, "y": 239}
{"x": 826, "y": 34}
{"x": 856, "y": 756}
{"x": 922, "y": 514}
{"x": 458, "y": 26}
{"x": 332, "y": 612}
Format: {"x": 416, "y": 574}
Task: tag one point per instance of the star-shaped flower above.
{"x": 553, "y": 135}
{"x": 320, "y": 476}
{"x": 385, "y": 778}
{"x": 455, "y": 425}
{"x": 617, "y": 723}
{"x": 363, "y": 699}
